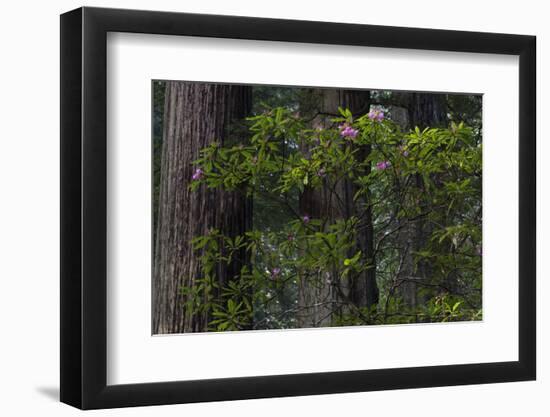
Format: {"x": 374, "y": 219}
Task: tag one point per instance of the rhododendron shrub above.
{"x": 398, "y": 178}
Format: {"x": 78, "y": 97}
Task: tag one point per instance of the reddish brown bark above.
{"x": 195, "y": 115}
{"x": 320, "y": 296}
{"x": 425, "y": 110}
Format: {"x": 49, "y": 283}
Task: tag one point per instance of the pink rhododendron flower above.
{"x": 305, "y": 219}
{"x": 348, "y": 132}
{"x": 383, "y": 165}
{"x": 376, "y": 115}
{"x": 198, "y": 174}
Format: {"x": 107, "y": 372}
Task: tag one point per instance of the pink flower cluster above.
{"x": 275, "y": 272}
{"x": 376, "y": 115}
{"x": 198, "y": 174}
{"x": 383, "y": 165}
{"x": 348, "y": 132}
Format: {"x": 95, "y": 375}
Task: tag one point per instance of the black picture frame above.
{"x": 84, "y": 207}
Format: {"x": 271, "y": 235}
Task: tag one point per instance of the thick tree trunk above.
{"x": 427, "y": 110}
{"x": 315, "y": 295}
{"x": 195, "y": 115}
{"x": 424, "y": 110}
{"x": 364, "y": 288}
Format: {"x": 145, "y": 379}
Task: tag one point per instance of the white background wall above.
{"x": 29, "y": 236}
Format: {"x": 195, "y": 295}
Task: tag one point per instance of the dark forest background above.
{"x": 269, "y": 214}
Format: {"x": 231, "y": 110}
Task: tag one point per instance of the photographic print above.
{"x": 301, "y": 207}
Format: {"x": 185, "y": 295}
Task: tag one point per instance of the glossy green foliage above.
{"x": 427, "y": 180}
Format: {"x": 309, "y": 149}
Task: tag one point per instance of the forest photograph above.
{"x": 278, "y": 207}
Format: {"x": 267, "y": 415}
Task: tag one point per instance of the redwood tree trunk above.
{"x": 316, "y": 293}
{"x": 424, "y": 110}
{"x": 195, "y": 115}
{"x": 363, "y": 288}
{"x": 427, "y": 110}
